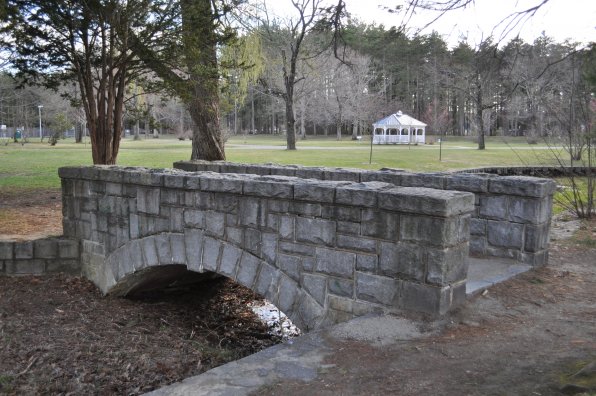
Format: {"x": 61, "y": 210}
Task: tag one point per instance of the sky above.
{"x": 560, "y": 19}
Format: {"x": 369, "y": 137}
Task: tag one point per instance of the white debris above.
{"x": 277, "y": 322}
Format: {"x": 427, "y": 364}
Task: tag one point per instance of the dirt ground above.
{"x": 58, "y": 335}
{"x": 527, "y": 336}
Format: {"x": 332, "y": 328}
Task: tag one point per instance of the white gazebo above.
{"x": 399, "y": 128}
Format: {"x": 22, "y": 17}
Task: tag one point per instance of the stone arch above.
{"x": 194, "y": 254}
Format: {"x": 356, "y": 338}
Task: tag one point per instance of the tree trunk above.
{"x": 200, "y": 41}
{"x": 479, "y": 120}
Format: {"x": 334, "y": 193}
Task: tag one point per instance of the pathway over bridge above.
{"x": 322, "y": 251}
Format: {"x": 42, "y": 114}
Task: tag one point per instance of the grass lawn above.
{"x": 34, "y": 165}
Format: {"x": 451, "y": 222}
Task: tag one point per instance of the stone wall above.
{"x": 41, "y": 256}
{"x": 322, "y": 251}
{"x": 511, "y": 217}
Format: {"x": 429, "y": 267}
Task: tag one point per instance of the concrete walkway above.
{"x": 302, "y": 358}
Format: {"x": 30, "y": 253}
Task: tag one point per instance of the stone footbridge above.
{"x": 324, "y": 245}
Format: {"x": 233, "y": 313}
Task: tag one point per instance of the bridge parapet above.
{"x": 322, "y": 251}
{"x": 511, "y": 218}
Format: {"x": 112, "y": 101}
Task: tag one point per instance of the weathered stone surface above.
{"x": 360, "y": 194}
{"x": 341, "y": 287}
{"x": 316, "y": 286}
{"x": 247, "y": 270}
{"x": 315, "y": 231}
{"x": 148, "y": 200}
{"x": 522, "y": 186}
{"x": 211, "y": 249}
{"x": 290, "y": 265}
{"x": 379, "y": 224}
{"x": 447, "y": 266}
{"x": 217, "y": 183}
{"x": 23, "y": 250}
{"x": 215, "y": 223}
{"x": 354, "y": 243}
{"x": 6, "y": 248}
{"x": 477, "y": 226}
{"x": 45, "y": 248}
{"x": 505, "y": 234}
{"x": 288, "y": 291}
{"x": 378, "y": 289}
{"x": 229, "y": 260}
{"x": 286, "y": 227}
{"x": 494, "y": 207}
{"x": 536, "y": 237}
{"x": 269, "y": 246}
{"x": 266, "y": 283}
{"x": 533, "y": 211}
{"x": 193, "y": 243}
{"x": 367, "y": 262}
{"x": 434, "y": 231}
{"x": 428, "y": 201}
{"x": 335, "y": 262}
{"x": 467, "y": 182}
{"x": 296, "y": 248}
{"x": 269, "y": 189}
{"x": 402, "y": 260}
{"x": 317, "y": 192}
{"x": 178, "y": 248}
{"x": 25, "y": 267}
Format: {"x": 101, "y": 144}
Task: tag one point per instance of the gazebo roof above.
{"x": 399, "y": 119}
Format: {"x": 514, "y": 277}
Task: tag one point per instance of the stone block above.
{"x": 477, "y": 226}
{"x": 45, "y": 248}
{"x": 494, "y": 207}
{"x": 426, "y": 201}
{"x": 447, "y": 266}
{"x": 178, "y": 249}
{"x": 343, "y": 213}
{"x": 288, "y": 293}
{"x": 296, "y": 249}
{"x": 193, "y": 242}
{"x": 229, "y": 260}
{"x": 505, "y": 234}
{"x": 522, "y": 185}
{"x": 286, "y": 227}
{"x": 316, "y": 286}
{"x": 6, "y": 248}
{"x": 252, "y": 241}
{"x": 305, "y": 209}
{"x": 234, "y": 235}
{"x": 402, "y": 260}
{"x": 271, "y": 223}
{"x": 215, "y": 223}
{"x": 251, "y": 212}
{"x": 316, "y": 231}
{"x": 134, "y": 227}
{"x": 289, "y": 265}
{"x": 359, "y": 194}
{"x": 135, "y": 255}
{"x": 113, "y": 188}
{"x": 194, "y": 218}
{"x": 278, "y": 206}
{"x": 378, "y": 289}
{"x": 269, "y": 189}
{"x": 435, "y": 231}
{"x": 269, "y": 246}
{"x": 367, "y": 262}
{"x": 173, "y": 180}
{"x": 211, "y": 249}
{"x": 477, "y": 245}
{"x": 266, "y": 284}
{"x": 247, "y": 270}
{"x": 170, "y": 197}
{"x": 467, "y": 182}
{"x": 424, "y": 298}
{"x": 70, "y": 172}
{"x": 535, "y": 259}
{"x": 219, "y": 183}
{"x": 528, "y": 210}
{"x": 23, "y": 250}
{"x": 335, "y": 262}
{"x": 347, "y": 227}
{"x": 205, "y": 200}
{"x": 304, "y": 172}
{"x": 315, "y": 191}
{"x": 176, "y": 220}
{"x": 341, "y": 287}
{"x": 378, "y": 224}
{"x": 26, "y": 267}
{"x": 338, "y": 303}
{"x": 354, "y": 243}
{"x": 150, "y": 252}
{"x": 426, "y": 180}
{"x": 67, "y": 266}
{"x": 164, "y": 251}
{"x": 308, "y": 314}
{"x": 148, "y": 200}
{"x": 536, "y": 237}
{"x": 227, "y": 203}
